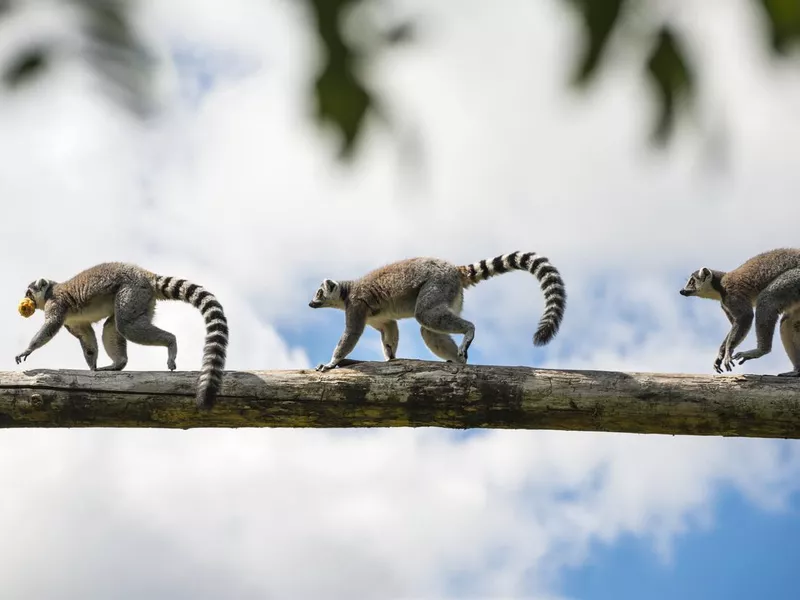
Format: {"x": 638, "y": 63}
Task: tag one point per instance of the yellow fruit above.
{"x": 26, "y": 307}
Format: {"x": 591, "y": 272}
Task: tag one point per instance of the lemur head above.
{"x": 328, "y": 295}
{"x": 39, "y": 291}
{"x": 701, "y": 284}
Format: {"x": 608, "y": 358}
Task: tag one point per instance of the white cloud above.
{"x": 242, "y": 197}
{"x": 381, "y": 513}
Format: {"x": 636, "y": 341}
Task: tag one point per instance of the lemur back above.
{"x": 752, "y": 276}
{"x": 89, "y": 295}
{"x": 125, "y": 295}
{"x": 770, "y": 282}
{"x": 391, "y": 291}
{"x": 430, "y": 290}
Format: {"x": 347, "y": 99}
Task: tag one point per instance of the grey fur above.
{"x": 432, "y": 291}
{"x": 770, "y": 282}
{"x": 790, "y": 337}
{"x": 125, "y": 296}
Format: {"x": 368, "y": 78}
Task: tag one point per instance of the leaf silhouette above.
{"x": 600, "y": 17}
{"x": 783, "y": 18}
{"x": 342, "y": 100}
{"x": 673, "y": 81}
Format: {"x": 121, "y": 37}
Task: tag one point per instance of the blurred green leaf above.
{"x": 116, "y": 52}
{"x": 112, "y": 48}
{"x": 342, "y": 100}
{"x": 28, "y": 65}
{"x": 784, "y": 23}
{"x": 600, "y": 17}
{"x": 674, "y": 81}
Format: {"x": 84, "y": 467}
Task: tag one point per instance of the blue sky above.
{"x": 235, "y": 158}
{"x": 745, "y": 553}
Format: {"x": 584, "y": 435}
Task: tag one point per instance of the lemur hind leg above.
{"x": 441, "y": 344}
{"x": 433, "y": 311}
{"x": 790, "y": 336}
{"x": 779, "y": 296}
{"x": 88, "y": 341}
{"x": 133, "y": 309}
{"x": 390, "y": 338}
{"x": 115, "y": 346}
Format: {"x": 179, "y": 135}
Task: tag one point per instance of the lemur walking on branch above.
{"x": 125, "y": 296}
{"x": 431, "y": 291}
{"x": 770, "y": 282}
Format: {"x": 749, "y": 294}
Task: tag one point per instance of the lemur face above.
{"x": 699, "y": 284}
{"x": 327, "y": 294}
{"x": 37, "y": 291}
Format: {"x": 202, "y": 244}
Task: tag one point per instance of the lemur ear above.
{"x": 40, "y": 283}
{"x": 704, "y": 273}
{"x": 330, "y": 285}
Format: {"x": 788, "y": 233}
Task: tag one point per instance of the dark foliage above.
{"x": 343, "y": 100}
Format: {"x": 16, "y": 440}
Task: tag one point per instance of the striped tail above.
{"x": 216, "y": 344}
{"x": 555, "y": 295}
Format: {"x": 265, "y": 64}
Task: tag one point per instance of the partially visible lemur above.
{"x": 125, "y": 295}
{"x": 431, "y": 291}
{"x": 770, "y": 281}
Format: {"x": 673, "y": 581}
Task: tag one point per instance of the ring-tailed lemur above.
{"x": 125, "y": 295}
{"x": 770, "y": 282}
{"x": 432, "y": 291}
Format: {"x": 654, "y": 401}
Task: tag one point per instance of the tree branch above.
{"x": 412, "y": 393}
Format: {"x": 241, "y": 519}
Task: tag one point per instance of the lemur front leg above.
{"x": 88, "y": 341}
{"x": 54, "y": 315}
{"x": 721, "y": 354}
{"x": 354, "y": 323}
{"x": 741, "y": 314}
{"x": 724, "y": 344}
{"x": 390, "y": 338}
{"x": 766, "y": 320}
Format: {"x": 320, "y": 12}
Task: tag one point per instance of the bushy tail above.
{"x": 216, "y": 344}
{"x": 555, "y": 295}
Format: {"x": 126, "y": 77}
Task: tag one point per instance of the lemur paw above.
{"x": 21, "y": 357}
{"x": 171, "y": 364}
{"x": 462, "y": 357}
{"x": 389, "y": 353}
{"x": 789, "y": 374}
{"x": 748, "y": 355}
{"x": 718, "y": 364}
{"x": 728, "y": 363}
{"x": 327, "y": 367}
{"x": 723, "y": 362}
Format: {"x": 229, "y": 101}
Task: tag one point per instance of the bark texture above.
{"x": 412, "y": 393}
